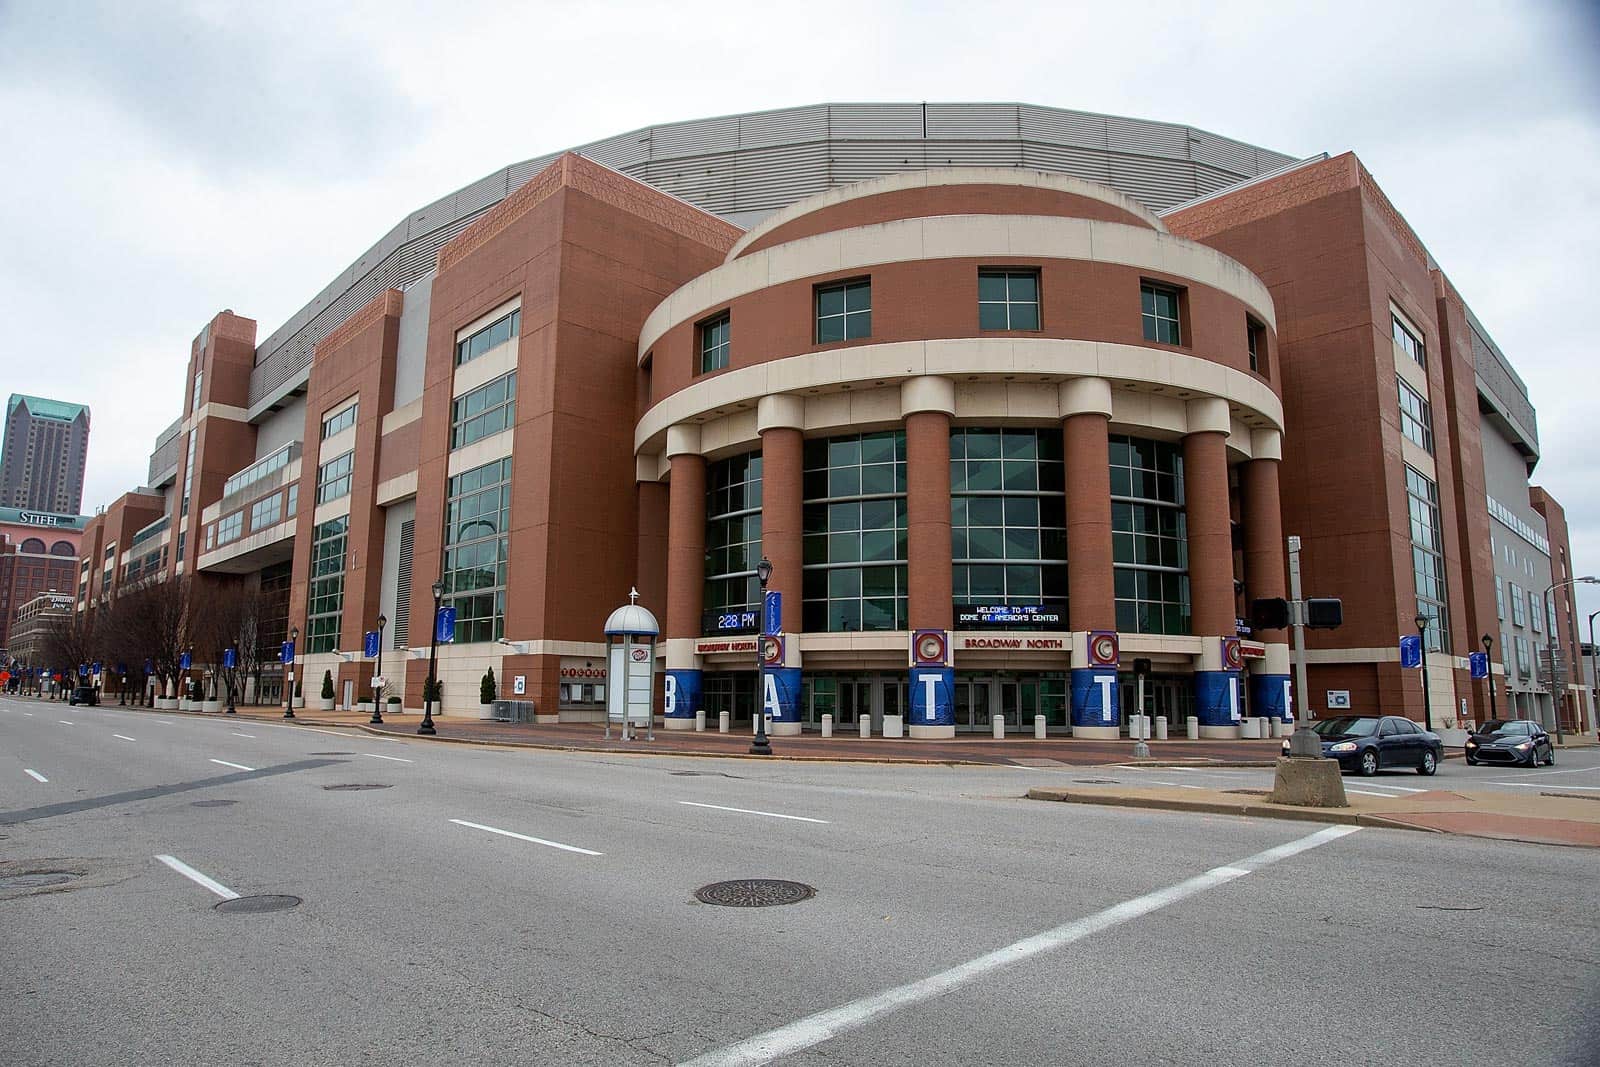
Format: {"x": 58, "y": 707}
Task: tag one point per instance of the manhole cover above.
{"x": 1095, "y": 781}
{"x": 36, "y": 880}
{"x": 330, "y": 753}
{"x": 351, "y": 787}
{"x": 212, "y": 803}
{"x": 754, "y": 893}
{"x": 253, "y": 905}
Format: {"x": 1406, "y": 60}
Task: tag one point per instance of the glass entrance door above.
{"x": 855, "y": 702}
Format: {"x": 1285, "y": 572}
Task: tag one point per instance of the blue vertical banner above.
{"x": 444, "y": 625}
{"x": 933, "y": 696}
{"x": 370, "y": 645}
{"x": 682, "y": 694}
{"x": 185, "y": 661}
{"x": 1271, "y": 697}
{"x": 1217, "y": 698}
{"x": 1411, "y": 651}
{"x": 1478, "y": 662}
{"x": 286, "y": 653}
{"x": 230, "y": 659}
{"x": 1094, "y": 697}
{"x": 781, "y": 693}
{"x": 772, "y": 612}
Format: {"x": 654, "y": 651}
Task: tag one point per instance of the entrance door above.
{"x": 855, "y": 701}
{"x": 975, "y": 703}
{"x": 349, "y": 695}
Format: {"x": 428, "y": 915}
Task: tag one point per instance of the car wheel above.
{"x": 1533, "y": 756}
{"x": 1471, "y": 762}
{"x": 1369, "y": 763}
{"x": 1429, "y": 764}
{"x": 1550, "y": 758}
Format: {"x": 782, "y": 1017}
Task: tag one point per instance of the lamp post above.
{"x": 1488, "y": 642}
{"x": 294, "y": 654}
{"x": 188, "y": 679}
{"x": 232, "y": 677}
{"x": 377, "y": 672}
{"x": 122, "y": 691}
{"x": 1427, "y": 702}
{"x": 1594, "y": 673}
{"x": 761, "y": 746}
{"x": 432, "y": 686}
{"x": 1555, "y": 698}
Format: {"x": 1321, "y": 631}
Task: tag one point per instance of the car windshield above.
{"x": 1346, "y": 725}
{"x": 1495, "y": 726}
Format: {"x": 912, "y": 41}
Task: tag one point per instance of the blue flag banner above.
{"x": 230, "y": 659}
{"x": 286, "y": 653}
{"x": 1478, "y": 662}
{"x": 772, "y": 613}
{"x": 1411, "y": 651}
{"x": 371, "y": 645}
{"x": 185, "y": 661}
{"x": 444, "y": 626}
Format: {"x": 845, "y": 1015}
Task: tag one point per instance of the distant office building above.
{"x": 46, "y": 446}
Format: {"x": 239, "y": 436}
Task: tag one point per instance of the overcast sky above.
{"x": 165, "y": 161}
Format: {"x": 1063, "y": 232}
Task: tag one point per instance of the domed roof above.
{"x": 632, "y": 619}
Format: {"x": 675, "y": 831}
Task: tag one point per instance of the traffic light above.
{"x": 1324, "y": 613}
{"x": 1269, "y": 613}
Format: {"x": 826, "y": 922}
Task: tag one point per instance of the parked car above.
{"x": 1386, "y": 742}
{"x": 1510, "y": 741}
{"x": 83, "y": 694}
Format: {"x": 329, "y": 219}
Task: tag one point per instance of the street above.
{"x": 463, "y": 903}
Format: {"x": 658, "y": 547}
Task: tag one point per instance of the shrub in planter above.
{"x": 327, "y": 685}
{"x": 486, "y": 689}
{"x": 394, "y": 702}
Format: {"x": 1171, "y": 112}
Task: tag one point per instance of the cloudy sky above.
{"x": 167, "y": 160}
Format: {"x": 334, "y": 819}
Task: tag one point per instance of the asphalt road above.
{"x": 496, "y": 906}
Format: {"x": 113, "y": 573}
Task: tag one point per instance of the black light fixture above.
{"x": 1488, "y": 643}
{"x": 377, "y": 672}
{"x": 431, "y": 688}
{"x": 1427, "y": 702}
{"x": 294, "y": 653}
{"x": 761, "y": 746}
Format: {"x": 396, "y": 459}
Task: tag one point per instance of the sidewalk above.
{"x": 1018, "y": 751}
{"x": 1549, "y": 817}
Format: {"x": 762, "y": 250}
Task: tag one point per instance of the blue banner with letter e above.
{"x": 1479, "y": 664}
{"x": 1411, "y": 651}
{"x": 444, "y": 625}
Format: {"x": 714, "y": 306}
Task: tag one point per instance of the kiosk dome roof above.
{"x": 632, "y": 619}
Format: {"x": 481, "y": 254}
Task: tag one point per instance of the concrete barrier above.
{"x": 700, "y": 721}
{"x": 1192, "y": 727}
{"x": 999, "y": 726}
{"x": 827, "y": 726}
{"x": 866, "y": 726}
{"x": 1161, "y": 727}
{"x": 894, "y": 726}
{"x": 1250, "y": 729}
{"x": 1038, "y": 727}
{"x": 722, "y": 722}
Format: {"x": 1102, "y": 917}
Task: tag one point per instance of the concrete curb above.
{"x": 1336, "y": 816}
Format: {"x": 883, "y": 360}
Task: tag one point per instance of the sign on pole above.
{"x": 444, "y": 626}
{"x": 772, "y": 613}
{"x": 1411, "y": 651}
{"x": 185, "y": 661}
{"x": 286, "y": 653}
{"x": 371, "y": 646}
{"x": 1478, "y": 663}
{"x": 230, "y": 659}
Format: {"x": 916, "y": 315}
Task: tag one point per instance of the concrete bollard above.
{"x": 894, "y": 726}
{"x": 999, "y": 726}
{"x": 827, "y": 726}
{"x": 1038, "y": 727}
{"x": 866, "y": 726}
{"x": 700, "y": 721}
{"x": 722, "y": 722}
{"x": 1161, "y": 727}
{"x": 1193, "y": 728}
{"x": 1250, "y": 729}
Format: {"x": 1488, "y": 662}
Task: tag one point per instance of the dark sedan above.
{"x": 83, "y": 694}
{"x": 1368, "y": 745}
{"x": 1511, "y": 741}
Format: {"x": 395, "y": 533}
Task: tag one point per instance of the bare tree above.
{"x": 70, "y": 643}
{"x": 153, "y": 623}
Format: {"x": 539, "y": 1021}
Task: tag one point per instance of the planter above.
{"x": 211, "y": 705}
{"x": 299, "y": 702}
{"x": 325, "y": 703}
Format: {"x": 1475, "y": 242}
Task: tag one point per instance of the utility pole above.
{"x": 1304, "y": 741}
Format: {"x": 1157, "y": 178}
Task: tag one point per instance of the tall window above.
{"x": 477, "y": 514}
{"x": 1416, "y": 417}
{"x": 1407, "y": 340}
{"x": 491, "y": 336}
{"x": 1149, "y": 536}
{"x": 188, "y": 479}
{"x": 733, "y": 544}
{"x": 194, "y": 400}
{"x": 844, "y": 312}
{"x": 1519, "y": 613}
{"x": 1426, "y": 559}
{"x": 338, "y": 422}
{"x": 1008, "y": 519}
{"x": 1159, "y": 305}
{"x": 714, "y": 343}
{"x": 333, "y": 478}
{"x": 484, "y": 412}
{"x": 855, "y": 533}
{"x": 1499, "y": 597}
{"x": 1535, "y": 611}
{"x": 1256, "y": 342}
{"x": 1008, "y": 300}
{"x": 325, "y": 604}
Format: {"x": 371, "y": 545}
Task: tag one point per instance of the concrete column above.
{"x": 1205, "y": 476}
{"x": 686, "y": 550}
{"x": 1264, "y": 569}
{"x": 780, "y": 418}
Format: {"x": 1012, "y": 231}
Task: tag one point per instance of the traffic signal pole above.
{"x": 1304, "y": 741}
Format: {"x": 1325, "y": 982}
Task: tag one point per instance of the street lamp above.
{"x": 1427, "y": 702}
{"x": 377, "y": 672}
{"x": 1555, "y": 699}
{"x": 294, "y": 654}
{"x": 432, "y": 686}
{"x": 761, "y": 746}
{"x": 1488, "y": 642}
{"x": 1594, "y": 674}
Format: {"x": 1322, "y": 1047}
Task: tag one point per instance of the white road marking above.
{"x": 1542, "y": 785}
{"x": 236, "y": 733}
{"x": 1569, "y": 770}
{"x": 199, "y": 879}
{"x": 1371, "y": 793}
{"x": 814, "y": 1029}
{"x": 35, "y": 775}
{"x": 29, "y": 714}
{"x": 308, "y": 729}
{"x": 236, "y": 766}
{"x": 396, "y": 759}
{"x": 1402, "y": 788}
{"x": 163, "y": 722}
{"x": 749, "y": 811}
{"x": 525, "y": 837}
{"x": 124, "y": 737}
{"x": 64, "y": 722}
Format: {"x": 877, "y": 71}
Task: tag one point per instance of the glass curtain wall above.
{"x": 855, "y": 533}
{"x": 733, "y": 544}
{"x": 1008, "y": 520}
{"x": 477, "y": 514}
{"x": 1149, "y": 536}
{"x": 325, "y": 607}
